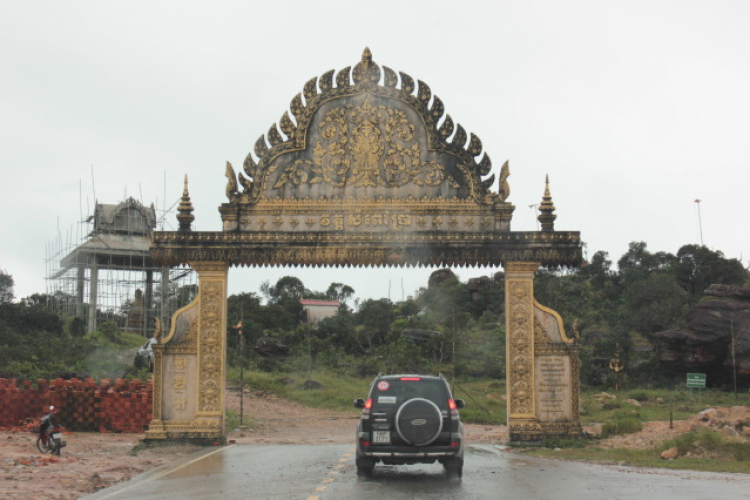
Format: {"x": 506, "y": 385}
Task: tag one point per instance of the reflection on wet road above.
{"x": 328, "y": 472}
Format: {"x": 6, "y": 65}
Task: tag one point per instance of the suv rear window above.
{"x": 396, "y": 391}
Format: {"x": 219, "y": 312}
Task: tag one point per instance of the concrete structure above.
{"x": 109, "y": 275}
{"x": 316, "y": 310}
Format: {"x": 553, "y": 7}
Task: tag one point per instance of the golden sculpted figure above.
{"x": 367, "y": 149}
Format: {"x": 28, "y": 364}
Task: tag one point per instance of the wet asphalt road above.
{"x": 327, "y": 472}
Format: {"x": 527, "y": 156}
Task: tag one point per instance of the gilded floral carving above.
{"x": 520, "y": 347}
{"x": 366, "y": 146}
{"x": 211, "y": 369}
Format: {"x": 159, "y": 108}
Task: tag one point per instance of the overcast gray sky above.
{"x": 635, "y": 109}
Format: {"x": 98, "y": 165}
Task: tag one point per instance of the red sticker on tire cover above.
{"x": 383, "y": 385}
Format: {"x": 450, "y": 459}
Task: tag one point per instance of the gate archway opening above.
{"x": 368, "y": 170}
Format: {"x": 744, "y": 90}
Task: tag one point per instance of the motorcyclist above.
{"x": 46, "y": 428}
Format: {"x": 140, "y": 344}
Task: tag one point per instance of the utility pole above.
{"x": 242, "y": 372}
{"x": 700, "y": 223}
{"x": 734, "y": 359}
{"x": 241, "y": 355}
{"x": 535, "y": 206}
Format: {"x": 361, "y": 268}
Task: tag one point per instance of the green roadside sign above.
{"x": 696, "y": 380}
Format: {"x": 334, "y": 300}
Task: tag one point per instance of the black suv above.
{"x": 409, "y": 419}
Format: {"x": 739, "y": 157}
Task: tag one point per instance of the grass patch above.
{"x": 695, "y": 440}
{"x": 232, "y": 420}
{"x": 485, "y": 403}
{"x": 640, "y": 458}
{"x": 623, "y": 425}
{"x": 656, "y": 404}
{"x": 640, "y": 395}
{"x": 337, "y": 393}
{"x": 709, "y": 451}
{"x": 484, "y": 398}
{"x": 563, "y": 443}
{"x": 741, "y": 451}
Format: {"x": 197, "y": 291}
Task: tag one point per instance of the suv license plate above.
{"x": 381, "y": 437}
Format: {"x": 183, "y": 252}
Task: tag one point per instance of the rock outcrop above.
{"x": 440, "y": 276}
{"x": 705, "y": 345}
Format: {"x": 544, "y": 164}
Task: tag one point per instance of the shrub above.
{"x": 563, "y": 443}
{"x": 623, "y": 425}
{"x": 741, "y": 451}
{"x": 689, "y": 441}
{"x": 640, "y": 396}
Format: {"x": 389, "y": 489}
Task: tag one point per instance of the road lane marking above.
{"x": 332, "y": 475}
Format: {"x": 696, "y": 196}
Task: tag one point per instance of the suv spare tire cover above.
{"x": 419, "y": 422}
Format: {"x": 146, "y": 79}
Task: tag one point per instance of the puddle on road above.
{"x": 204, "y": 466}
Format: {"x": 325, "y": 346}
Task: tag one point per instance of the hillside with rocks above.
{"x": 706, "y": 343}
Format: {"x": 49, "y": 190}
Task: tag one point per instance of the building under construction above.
{"x": 105, "y": 273}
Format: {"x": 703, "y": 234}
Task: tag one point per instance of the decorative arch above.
{"x": 365, "y": 169}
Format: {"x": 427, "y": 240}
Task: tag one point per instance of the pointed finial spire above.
{"x": 547, "y": 216}
{"x": 366, "y": 71}
{"x": 185, "y": 210}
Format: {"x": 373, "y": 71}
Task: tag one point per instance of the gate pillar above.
{"x": 542, "y": 364}
{"x": 189, "y": 364}
{"x": 519, "y": 328}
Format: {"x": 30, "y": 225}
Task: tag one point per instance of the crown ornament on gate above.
{"x": 293, "y": 130}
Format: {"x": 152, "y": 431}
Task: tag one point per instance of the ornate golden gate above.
{"x": 370, "y": 172}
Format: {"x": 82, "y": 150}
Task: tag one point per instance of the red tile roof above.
{"x": 315, "y": 302}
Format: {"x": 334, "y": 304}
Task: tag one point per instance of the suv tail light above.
{"x": 453, "y": 408}
{"x": 366, "y": 410}
{"x": 411, "y": 379}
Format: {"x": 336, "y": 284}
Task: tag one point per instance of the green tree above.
{"x": 288, "y": 287}
{"x": 441, "y": 303}
{"x": 373, "y": 323}
{"x": 637, "y": 263}
{"x": 339, "y": 291}
{"x": 246, "y": 308}
{"x": 655, "y": 304}
{"x": 6, "y": 287}
{"x": 698, "y": 267}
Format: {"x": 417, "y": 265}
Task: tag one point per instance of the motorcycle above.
{"x": 50, "y": 435}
